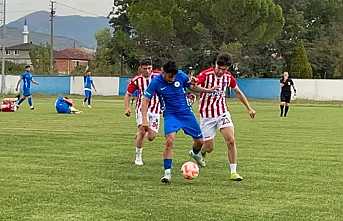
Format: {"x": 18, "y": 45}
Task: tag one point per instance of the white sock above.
{"x": 233, "y": 167}
{"x": 167, "y": 172}
{"x": 139, "y": 151}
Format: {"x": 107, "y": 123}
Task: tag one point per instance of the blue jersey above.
{"x": 87, "y": 80}
{"x": 27, "y": 78}
{"x": 62, "y": 106}
{"x": 172, "y": 95}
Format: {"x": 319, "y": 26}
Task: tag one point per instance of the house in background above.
{"x": 20, "y": 54}
{"x": 67, "y": 60}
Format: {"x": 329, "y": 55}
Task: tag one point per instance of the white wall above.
{"x": 10, "y": 83}
{"x": 105, "y": 86}
{"x": 321, "y": 90}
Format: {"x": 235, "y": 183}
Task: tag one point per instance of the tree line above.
{"x": 265, "y": 37}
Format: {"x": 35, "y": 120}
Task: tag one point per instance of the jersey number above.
{"x": 225, "y": 120}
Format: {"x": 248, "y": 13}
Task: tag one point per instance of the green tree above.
{"x": 40, "y": 57}
{"x": 318, "y": 23}
{"x": 300, "y": 66}
{"x": 103, "y": 56}
{"x": 12, "y": 68}
{"x": 246, "y": 21}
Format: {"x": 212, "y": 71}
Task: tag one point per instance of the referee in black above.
{"x": 286, "y": 83}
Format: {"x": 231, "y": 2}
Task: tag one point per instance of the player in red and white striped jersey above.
{"x": 138, "y": 84}
{"x": 213, "y": 109}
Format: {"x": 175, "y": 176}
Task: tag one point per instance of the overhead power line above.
{"x": 78, "y": 9}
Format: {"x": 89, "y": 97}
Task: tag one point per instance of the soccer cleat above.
{"x": 198, "y": 158}
{"x": 89, "y": 106}
{"x": 32, "y": 108}
{"x": 235, "y": 177}
{"x": 166, "y": 179}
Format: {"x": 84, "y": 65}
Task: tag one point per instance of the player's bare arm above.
{"x": 295, "y": 90}
{"x": 196, "y": 88}
{"x": 145, "y": 104}
{"x": 93, "y": 86}
{"x": 127, "y": 104}
{"x": 240, "y": 95}
{"x": 35, "y": 82}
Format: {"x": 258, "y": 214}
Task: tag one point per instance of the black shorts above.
{"x": 285, "y": 97}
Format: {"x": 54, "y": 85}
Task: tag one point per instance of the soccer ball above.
{"x": 190, "y": 170}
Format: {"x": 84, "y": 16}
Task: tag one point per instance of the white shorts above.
{"x": 154, "y": 120}
{"x": 209, "y": 126}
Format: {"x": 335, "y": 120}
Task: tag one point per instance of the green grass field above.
{"x": 80, "y": 167}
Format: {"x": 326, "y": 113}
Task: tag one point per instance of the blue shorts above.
{"x": 63, "y": 109}
{"x": 88, "y": 93}
{"x": 187, "y": 122}
{"x": 27, "y": 92}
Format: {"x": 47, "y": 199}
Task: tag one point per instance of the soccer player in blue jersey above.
{"x": 27, "y": 79}
{"x": 177, "y": 112}
{"x": 64, "y": 105}
{"x": 88, "y": 84}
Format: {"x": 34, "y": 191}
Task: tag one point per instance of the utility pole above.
{"x": 52, "y": 15}
{"x": 3, "y": 21}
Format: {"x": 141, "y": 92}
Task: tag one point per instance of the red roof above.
{"x": 73, "y": 54}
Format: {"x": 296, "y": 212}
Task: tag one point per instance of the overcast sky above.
{"x": 19, "y": 8}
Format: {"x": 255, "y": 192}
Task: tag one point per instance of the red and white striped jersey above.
{"x": 139, "y": 84}
{"x": 214, "y": 104}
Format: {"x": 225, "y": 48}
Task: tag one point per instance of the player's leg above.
{"x": 154, "y": 125}
{"x": 191, "y": 127}
{"x": 26, "y": 93}
{"x": 29, "y": 101}
{"x": 171, "y": 126}
{"x": 288, "y": 100}
{"x": 225, "y": 124}
{"x": 89, "y": 97}
{"x": 207, "y": 147}
{"x": 168, "y": 157}
{"x": 139, "y": 140}
{"x": 85, "y": 100}
{"x": 286, "y": 109}
{"x": 282, "y": 104}
{"x": 229, "y": 137}
{"x": 21, "y": 100}
{"x": 139, "y": 145}
{"x": 208, "y": 127}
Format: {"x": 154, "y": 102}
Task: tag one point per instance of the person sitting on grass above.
{"x": 65, "y": 105}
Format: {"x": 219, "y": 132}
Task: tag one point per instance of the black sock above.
{"x": 89, "y": 101}
{"x": 196, "y": 151}
{"x": 21, "y": 100}
{"x": 286, "y": 110}
{"x": 281, "y": 108}
{"x": 84, "y": 100}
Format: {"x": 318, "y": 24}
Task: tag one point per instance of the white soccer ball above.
{"x": 190, "y": 170}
